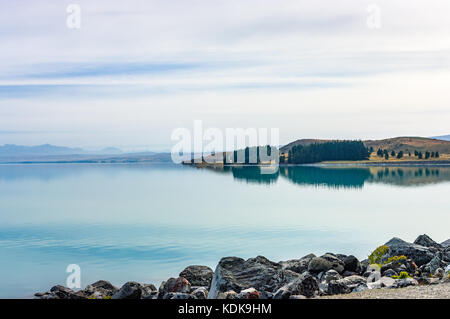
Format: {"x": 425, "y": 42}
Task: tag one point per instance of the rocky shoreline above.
{"x": 396, "y": 264}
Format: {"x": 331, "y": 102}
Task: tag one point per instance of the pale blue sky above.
{"x": 136, "y": 70}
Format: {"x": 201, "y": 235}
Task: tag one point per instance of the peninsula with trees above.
{"x": 399, "y": 150}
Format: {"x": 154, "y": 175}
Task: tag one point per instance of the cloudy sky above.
{"x": 136, "y": 70}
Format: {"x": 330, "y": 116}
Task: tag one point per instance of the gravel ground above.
{"x": 438, "y": 291}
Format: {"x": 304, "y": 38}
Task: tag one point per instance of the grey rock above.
{"x": 345, "y": 285}
{"x": 353, "y": 281}
{"x": 237, "y": 274}
{"x": 174, "y": 285}
{"x": 130, "y": 290}
{"x": 433, "y": 265}
{"x": 401, "y": 283}
{"x": 306, "y": 285}
{"x": 446, "y": 243}
{"x": 102, "y": 287}
{"x": 341, "y": 257}
{"x": 347, "y": 273}
{"x": 390, "y": 273}
{"x": 360, "y": 287}
{"x": 46, "y": 295}
{"x": 374, "y": 277}
{"x": 410, "y": 266}
{"x": 149, "y": 291}
{"x": 200, "y": 293}
{"x": 351, "y": 263}
{"x": 331, "y": 275}
{"x": 447, "y": 271}
{"x": 387, "y": 282}
{"x": 446, "y": 254}
{"x": 325, "y": 263}
{"x": 418, "y": 253}
{"x": 439, "y": 272}
{"x": 227, "y": 295}
{"x": 336, "y": 287}
{"x": 61, "y": 292}
{"x": 374, "y": 285}
{"x": 426, "y": 241}
{"x": 198, "y": 275}
{"x": 393, "y": 265}
{"x": 297, "y": 265}
{"x": 323, "y": 288}
{"x": 370, "y": 269}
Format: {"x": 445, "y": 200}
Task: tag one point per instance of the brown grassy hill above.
{"x": 411, "y": 143}
{"x": 392, "y": 144}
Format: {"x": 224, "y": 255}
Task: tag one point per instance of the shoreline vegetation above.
{"x": 402, "y": 151}
{"x": 423, "y": 266}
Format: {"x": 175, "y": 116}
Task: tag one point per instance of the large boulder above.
{"x": 335, "y": 287}
{"x": 446, "y": 243}
{"x": 297, "y": 265}
{"x": 447, "y": 272}
{"x": 345, "y": 285}
{"x": 433, "y": 265}
{"x": 325, "y": 263}
{"x": 198, "y": 275}
{"x": 237, "y": 274}
{"x": 387, "y": 282}
{"x": 174, "y": 285}
{"x": 331, "y": 275}
{"x": 149, "y": 291}
{"x": 352, "y": 264}
{"x": 200, "y": 293}
{"x": 353, "y": 281}
{"x": 101, "y": 288}
{"x": 61, "y": 292}
{"x": 426, "y": 241}
{"x": 130, "y": 290}
{"x": 446, "y": 254}
{"x": 418, "y": 253}
{"x": 306, "y": 285}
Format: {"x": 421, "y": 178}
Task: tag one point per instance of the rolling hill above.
{"x": 392, "y": 144}
{"x": 410, "y": 144}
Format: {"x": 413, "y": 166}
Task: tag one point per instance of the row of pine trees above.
{"x": 328, "y": 151}
{"x": 386, "y": 154}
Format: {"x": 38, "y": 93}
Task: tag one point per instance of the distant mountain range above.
{"x": 47, "y": 149}
{"x": 47, "y": 153}
{"x": 442, "y": 137}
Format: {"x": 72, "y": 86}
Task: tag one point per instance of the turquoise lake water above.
{"x": 146, "y": 222}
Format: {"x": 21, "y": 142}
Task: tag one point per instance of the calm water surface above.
{"x": 147, "y": 222}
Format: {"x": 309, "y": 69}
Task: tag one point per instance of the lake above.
{"x": 146, "y": 222}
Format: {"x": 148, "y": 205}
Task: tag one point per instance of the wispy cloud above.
{"x": 137, "y": 64}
